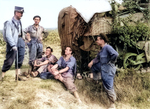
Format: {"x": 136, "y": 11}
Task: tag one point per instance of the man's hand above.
{"x": 90, "y": 64}
{"x": 37, "y": 65}
{"x": 14, "y": 48}
{"x": 55, "y": 73}
{"x": 28, "y": 36}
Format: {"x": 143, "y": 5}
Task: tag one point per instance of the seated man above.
{"x": 43, "y": 63}
{"x": 67, "y": 66}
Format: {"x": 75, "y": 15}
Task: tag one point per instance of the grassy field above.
{"x": 133, "y": 89}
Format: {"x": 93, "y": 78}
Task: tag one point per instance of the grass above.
{"x": 133, "y": 90}
{"x": 35, "y": 94}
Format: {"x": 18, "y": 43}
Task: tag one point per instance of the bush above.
{"x": 129, "y": 35}
{"x": 52, "y": 38}
{"x": 2, "y": 42}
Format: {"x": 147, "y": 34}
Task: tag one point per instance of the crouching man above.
{"x": 104, "y": 63}
{"x": 66, "y": 70}
{"x": 43, "y": 63}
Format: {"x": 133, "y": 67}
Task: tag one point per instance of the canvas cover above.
{"x": 87, "y": 9}
{"x": 78, "y": 34}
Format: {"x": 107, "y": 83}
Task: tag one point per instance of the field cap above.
{"x": 19, "y": 9}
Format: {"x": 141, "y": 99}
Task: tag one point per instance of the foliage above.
{"x": 2, "y": 42}
{"x": 134, "y": 5}
{"x": 52, "y": 38}
{"x": 127, "y": 31}
{"x": 129, "y": 35}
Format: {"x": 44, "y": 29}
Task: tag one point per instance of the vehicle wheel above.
{"x": 130, "y": 60}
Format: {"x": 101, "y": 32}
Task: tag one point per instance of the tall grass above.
{"x": 131, "y": 88}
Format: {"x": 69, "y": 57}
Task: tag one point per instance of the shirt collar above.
{"x": 16, "y": 21}
{"x": 102, "y": 48}
{"x": 68, "y": 59}
{"x": 48, "y": 57}
{"x": 35, "y": 27}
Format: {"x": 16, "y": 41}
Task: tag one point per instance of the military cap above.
{"x": 19, "y": 9}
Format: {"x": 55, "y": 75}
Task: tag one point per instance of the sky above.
{"x": 47, "y": 9}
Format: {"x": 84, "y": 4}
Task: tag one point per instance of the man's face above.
{"x": 99, "y": 41}
{"x": 36, "y": 21}
{"x": 68, "y": 51}
{"x": 19, "y": 14}
{"x": 48, "y": 52}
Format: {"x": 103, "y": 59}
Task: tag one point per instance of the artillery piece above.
{"x": 136, "y": 60}
{"x": 75, "y": 32}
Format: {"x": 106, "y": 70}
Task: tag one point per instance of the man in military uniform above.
{"x": 15, "y": 48}
{"x": 34, "y": 37}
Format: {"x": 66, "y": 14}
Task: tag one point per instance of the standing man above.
{"x": 105, "y": 64}
{"x": 15, "y": 48}
{"x": 34, "y": 37}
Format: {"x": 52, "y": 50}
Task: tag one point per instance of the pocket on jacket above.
{"x": 33, "y": 33}
{"x": 107, "y": 68}
{"x": 113, "y": 69}
{"x": 103, "y": 59}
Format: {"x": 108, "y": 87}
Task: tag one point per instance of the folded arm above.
{"x": 113, "y": 53}
{"x": 42, "y": 63}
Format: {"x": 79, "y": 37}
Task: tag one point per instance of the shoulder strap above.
{"x": 21, "y": 29}
{"x": 18, "y": 27}
{"x": 15, "y": 25}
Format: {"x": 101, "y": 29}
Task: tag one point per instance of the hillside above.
{"x": 132, "y": 88}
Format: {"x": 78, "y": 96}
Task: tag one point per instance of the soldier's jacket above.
{"x": 35, "y": 33}
{"x": 11, "y": 32}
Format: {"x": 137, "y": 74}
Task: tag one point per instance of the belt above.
{"x": 19, "y": 36}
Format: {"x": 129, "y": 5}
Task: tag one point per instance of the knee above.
{"x": 49, "y": 68}
{"x": 10, "y": 62}
{"x": 95, "y": 68}
{"x": 56, "y": 76}
{"x": 70, "y": 86}
{"x": 72, "y": 89}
